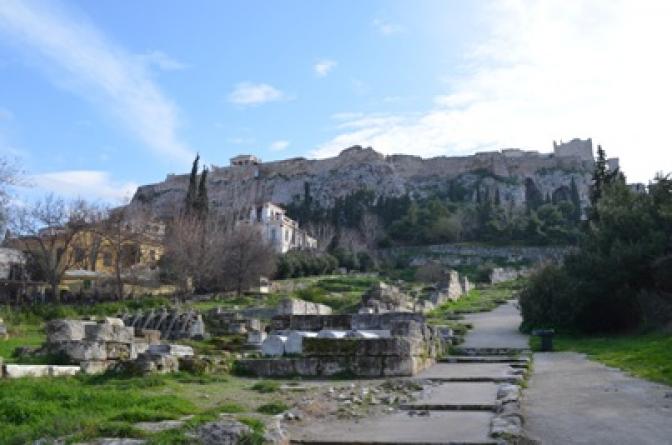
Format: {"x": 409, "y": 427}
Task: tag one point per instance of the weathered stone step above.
{"x": 471, "y": 372}
{"x": 468, "y": 351}
{"x": 458, "y": 396}
{"x": 430, "y": 427}
{"x": 485, "y": 359}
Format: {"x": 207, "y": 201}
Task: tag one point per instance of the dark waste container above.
{"x": 546, "y": 336}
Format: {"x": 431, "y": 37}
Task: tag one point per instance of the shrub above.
{"x": 266, "y": 386}
{"x": 272, "y": 408}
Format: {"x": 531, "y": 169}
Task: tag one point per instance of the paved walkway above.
{"x": 573, "y": 400}
{"x": 496, "y": 329}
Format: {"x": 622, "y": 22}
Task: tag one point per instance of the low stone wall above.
{"x": 357, "y": 357}
{"x": 408, "y": 348}
{"x": 461, "y": 255}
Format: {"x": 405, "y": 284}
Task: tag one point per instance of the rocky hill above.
{"x": 511, "y": 176}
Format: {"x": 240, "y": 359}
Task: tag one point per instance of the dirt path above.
{"x": 496, "y": 329}
{"x": 573, "y": 400}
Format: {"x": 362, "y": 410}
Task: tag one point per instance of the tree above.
{"x": 599, "y": 180}
{"x": 575, "y": 199}
{"x": 246, "y": 258}
{"x": 123, "y": 231}
{"x": 202, "y": 203}
{"x": 193, "y": 252}
{"x": 9, "y": 176}
{"x": 47, "y": 232}
{"x": 192, "y": 190}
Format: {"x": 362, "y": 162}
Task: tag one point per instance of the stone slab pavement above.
{"x": 436, "y": 427}
{"x": 496, "y": 329}
{"x": 573, "y": 400}
{"x": 469, "y": 372}
{"x": 456, "y": 396}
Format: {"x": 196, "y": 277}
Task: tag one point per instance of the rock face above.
{"x": 514, "y": 175}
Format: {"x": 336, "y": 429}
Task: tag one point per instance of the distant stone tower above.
{"x": 577, "y": 148}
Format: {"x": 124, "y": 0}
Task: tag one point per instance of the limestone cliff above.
{"x": 514, "y": 176}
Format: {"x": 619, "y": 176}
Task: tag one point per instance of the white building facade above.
{"x": 281, "y": 232}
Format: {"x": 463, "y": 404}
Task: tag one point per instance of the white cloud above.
{"x": 547, "y": 70}
{"x": 248, "y": 93}
{"x": 162, "y": 61}
{"x": 89, "y": 184}
{"x": 97, "y": 69}
{"x": 279, "y": 145}
{"x": 324, "y": 67}
{"x": 387, "y": 28}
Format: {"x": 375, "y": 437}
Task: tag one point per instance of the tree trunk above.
{"x": 54, "y": 292}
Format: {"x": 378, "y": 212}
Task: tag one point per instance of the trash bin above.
{"x": 546, "y": 336}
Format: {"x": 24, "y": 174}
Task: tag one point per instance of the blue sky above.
{"x": 99, "y": 97}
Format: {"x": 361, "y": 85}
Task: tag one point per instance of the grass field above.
{"x": 476, "y": 300}
{"x": 648, "y": 356}
{"x": 84, "y": 407}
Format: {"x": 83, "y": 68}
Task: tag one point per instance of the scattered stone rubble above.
{"x": 173, "y": 324}
{"x": 94, "y": 346}
{"x": 501, "y": 274}
{"x": 381, "y": 298}
{"x": 451, "y": 288}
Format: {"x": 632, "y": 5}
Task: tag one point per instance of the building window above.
{"x": 152, "y": 255}
{"x": 273, "y": 235}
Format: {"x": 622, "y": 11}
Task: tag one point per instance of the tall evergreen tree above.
{"x": 576, "y": 199}
{"x": 600, "y": 179}
{"x": 192, "y": 191}
{"x": 202, "y": 205}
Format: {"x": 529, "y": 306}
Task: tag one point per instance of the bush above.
{"x": 266, "y": 386}
{"x": 546, "y": 301}
{"x": 273, "y": 408}
{"x": 298, "y": 263}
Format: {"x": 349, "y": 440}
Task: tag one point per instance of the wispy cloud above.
{"x": 161, "y": 60}
{"x": 97, "y": 69}
{"x": 279, "y": 145}
{"x": 89, "y": 184}
{"x": 250, "y": 94}
{"x": 324, "y": 66}
{"x": 387, "y": 28}
{"x": 546, "y": 71}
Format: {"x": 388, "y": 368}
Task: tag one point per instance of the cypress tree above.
{"x": 600, "y": 178}
{"x": 576, "y": 199}
{"x": 190, "y": 200}
{"x": 202, "y": 203}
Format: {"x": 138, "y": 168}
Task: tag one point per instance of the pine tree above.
{"x": 202, "y": 205}
{"x": 190, "y": 200}
{"x": 576, "y": 199}
{"x": 600, "y": 178}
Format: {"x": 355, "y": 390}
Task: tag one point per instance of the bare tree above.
{"x": 47, "y": 231}
{"x": 323, "y": 232}
{"x": 193, "y": 250}
{"x": 9, "y": 176}
{"x": 122, "y": 232}
{"x": 246, "y": 258}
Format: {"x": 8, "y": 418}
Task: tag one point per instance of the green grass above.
{"x": 266, "y": 386}
{"x": 21, "y": 335}
{"x": 342, "y": 294}
{"x": 272, "y": 408}
{"x": 476, "y": 300}
{"x": 648, "y": 356}
{"x": 52, "y": 407}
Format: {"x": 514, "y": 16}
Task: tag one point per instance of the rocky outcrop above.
{"x": 514, "y": 176}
